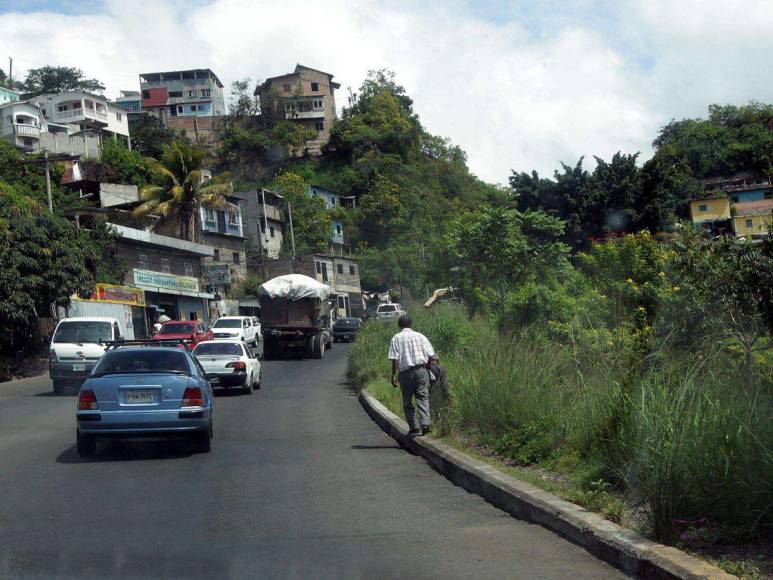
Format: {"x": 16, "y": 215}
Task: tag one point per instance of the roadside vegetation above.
{"x": 634, "y": 379}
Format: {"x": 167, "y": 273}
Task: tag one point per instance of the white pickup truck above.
{"x": 390, "y": 311}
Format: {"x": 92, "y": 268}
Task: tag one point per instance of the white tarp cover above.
{"x": 294, "y": 287}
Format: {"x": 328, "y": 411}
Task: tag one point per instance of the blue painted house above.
{"x": 332, "y": 199}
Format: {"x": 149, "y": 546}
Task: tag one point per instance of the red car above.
{"x": 186, "y": 329}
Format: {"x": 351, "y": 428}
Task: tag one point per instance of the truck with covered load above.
{"x": 295, "y": 317}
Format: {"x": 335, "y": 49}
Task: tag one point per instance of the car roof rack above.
{"x": 113, "y": 344}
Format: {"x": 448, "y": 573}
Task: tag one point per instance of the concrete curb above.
{"x": 624, "y": 549}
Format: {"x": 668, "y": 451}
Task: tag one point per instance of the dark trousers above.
{"x": 414, "y": 383}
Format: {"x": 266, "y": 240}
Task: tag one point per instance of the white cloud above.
{"x": 514, "y": 95}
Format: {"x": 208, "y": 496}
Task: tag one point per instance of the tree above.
{"x": 497, "y": 249}
{"x": 179, "y": 190}
{"x": 124, "y": 165}
{"x": 57, "y": 79}
{"x": 312, "y": 222}
{"x": 149, "y": 136}
{"x": 45, "y": 259}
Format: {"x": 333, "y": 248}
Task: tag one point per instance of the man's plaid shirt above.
{"x": 410, "y": 348}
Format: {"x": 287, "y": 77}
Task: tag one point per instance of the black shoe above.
{"x": 426, "y": 430}
{"x": 414, "y": 432}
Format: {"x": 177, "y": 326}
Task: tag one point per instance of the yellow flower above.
{"x": 676, "y": 288}
{"x": 630, "y": 280}
{"x": 662, "y": 274}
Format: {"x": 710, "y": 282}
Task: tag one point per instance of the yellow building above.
{"x": 753, "y": 218}
{"x": 710, "y": 210}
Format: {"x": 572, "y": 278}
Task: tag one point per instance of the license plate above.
{"x": 139, "y": 397}
{"x": 79, "y": 367}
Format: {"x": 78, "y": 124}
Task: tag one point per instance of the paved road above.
{"x": 300, "y": 484}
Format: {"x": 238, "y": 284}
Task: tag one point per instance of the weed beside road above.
{"x": 682, "y": 451}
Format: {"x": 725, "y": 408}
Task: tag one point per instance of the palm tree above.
{"x": 180, "y": 190}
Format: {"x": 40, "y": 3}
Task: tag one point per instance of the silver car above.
{"x": 231, "y": 362}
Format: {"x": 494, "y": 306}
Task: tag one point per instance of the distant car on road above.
{"x": 390, "y": 311}
{"x": 141, "y": 390}
{"x": 231, "y": 362}
{"x": 75, "y": 348}
{"x": 193, "y": 330}
{"x": 236, "y": 328}
{"x": 346, "y": 329}
{"x": 256, "y": 324}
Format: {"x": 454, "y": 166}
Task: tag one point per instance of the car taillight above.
{"x": 239, "y": 365}
{"x": 52, "y": 356}
{"x": 192, "y": 397}
{"x": 87, "y": 400}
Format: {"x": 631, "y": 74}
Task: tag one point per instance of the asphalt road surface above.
{"x": 300, "y": 483}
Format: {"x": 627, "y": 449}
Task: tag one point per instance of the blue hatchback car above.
{"x": 145, "y": 391}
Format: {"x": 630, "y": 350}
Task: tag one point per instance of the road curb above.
{"x": 624, "y": 549}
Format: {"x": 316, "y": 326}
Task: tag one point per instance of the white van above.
{"x": 75, "y": 348}
{"x": 237, "y": 328}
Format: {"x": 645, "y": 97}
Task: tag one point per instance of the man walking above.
{"x": 410, "y": 351}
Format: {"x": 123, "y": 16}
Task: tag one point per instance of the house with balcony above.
{"x": 741, "y": 205}
{"x": 8, "y": 95}
{"x": 224, "y": 232}
{"x": 80, "y": 113}
{"x": 21, "y": 122}
{"x": 305, "y": 96}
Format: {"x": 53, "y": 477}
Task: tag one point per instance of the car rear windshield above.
{"x": 348, "y": 322}
{"x": 140, "y": 360}
{"x": 83, "y": 331}
{"x": 229, "y": 323}
{"x": 218, "y": 348}
{"x": 176, "y": 329}
{"x": 387, "y": 308}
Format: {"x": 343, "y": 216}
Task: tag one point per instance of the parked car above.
{"x": 231, "y": 362}
{"x": 235, "y": 328}
{"x": 145, "y": 391}
{"x": 390, "y": 311}
{"x": 345, "y": 329}
{"x": 75, "y": 348}
{"x": 193, "y": 330}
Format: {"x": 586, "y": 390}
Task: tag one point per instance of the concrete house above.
{"x": 223, "y": 231}
{"x": 741, "y": 204}
{"x": 7, "y": 95}
{"x": 79, "y": 112}
{"x": 305, "y": 96}
{"x": 22, "y": 122}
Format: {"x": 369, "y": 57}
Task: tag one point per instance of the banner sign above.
{"x": 170, "y": 281}
{"x": 216, "y": 273}
{"x": 114, "y": 294}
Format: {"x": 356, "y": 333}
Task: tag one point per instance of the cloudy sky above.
{"x": 518, "y": 84}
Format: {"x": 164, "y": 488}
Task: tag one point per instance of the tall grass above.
{"x": 690, "y": 445}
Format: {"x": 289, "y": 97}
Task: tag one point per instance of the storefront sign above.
{"x": 216, "y": 273}
{"x": 170, "y": 281}
{"x": 115, "y": 294}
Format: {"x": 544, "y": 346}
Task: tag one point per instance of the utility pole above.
{"x": 292, "y": 233}
{"x": 10, "y": 72}
{"x": 48, "y": 184}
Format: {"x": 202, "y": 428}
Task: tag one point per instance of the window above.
{"x": 317, "y": 104}
{"x": 194, "y": 108}
{"x": 749, "y": 223}
{"x": 61, "y": 108}
{"x": 314, "y": 87}
{"x": 233, "y": 218}
{"x": 210, "y": 213}
{"x": 206, "y": 92}
{"x": 332, "y": 199}
{"x": 341, "y": 302}
{"x": 286, "y": 88}
{"x": 271, "y": 230}
{"x": 145, "y": 94}
{"x": 192, "y": 93}
{"x": 338, "y": 229}
{"x": 76, "y": 105}
{"x": 142, "y": 261}
{"x": 237, "y": 258}
{"x": 189, "y": 269}
{"x": 216, "y": 257}
{"x": 319, "y": 267}
{"x": 175, "y": 94}
{"x": 340, "y": 268}
{"x": 165, "y": 266}
{"x": 118, "y": 116}
{"x": 179, "y": 109}
{"x": 703, "y": 207}
{"x": 319, "y": 126}
{"x": 351, "y": 270}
